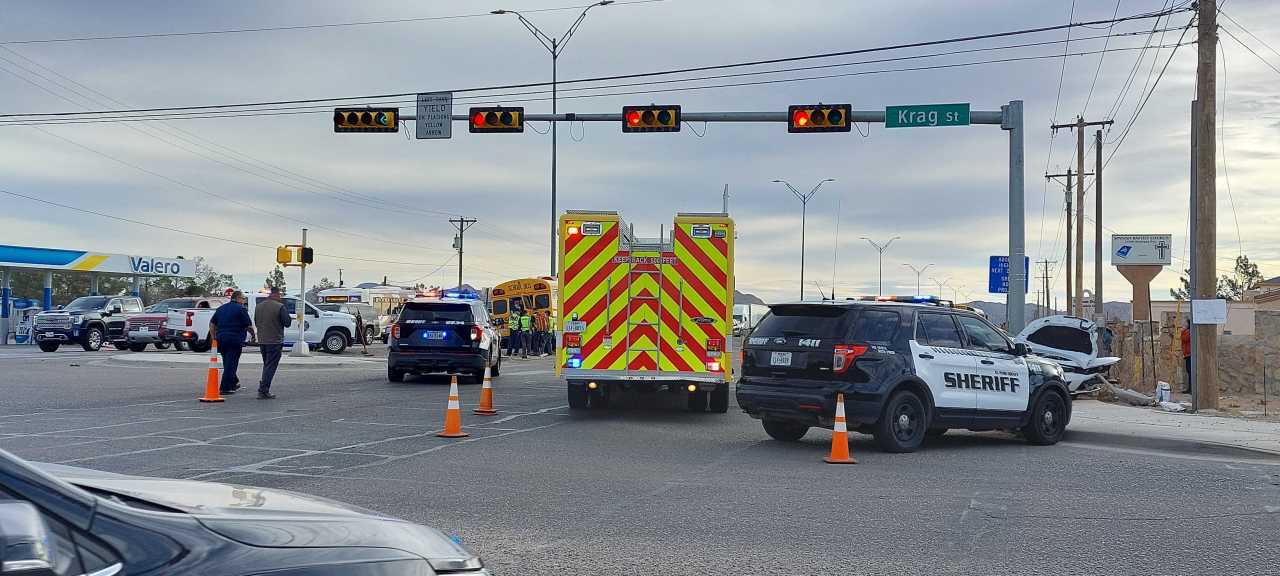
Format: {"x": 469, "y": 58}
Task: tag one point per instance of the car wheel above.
{"x": 720, "y": 399}
{"x": 335, "y": 342}
{"x": 49, "y": 346}
{"x": 394, "y": 375}
{"x": 1048, "y": 420}
{"x": 121, "y": 345}
{"x": 162, "y": 345}
{"x": 698, "y": 401}
{"x": 577, "y": 397}
{"x": 784, "y": 431}
{"x": 903, "y": 423}
{"x": 137, "y": 347}
{"x": 201, "y": 346}
{"x": 369, "y": 333}
{"x": 180, "y": 346}
{"x": 92, "y": 340}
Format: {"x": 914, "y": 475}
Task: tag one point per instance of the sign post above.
{"x": 434, "y": 120}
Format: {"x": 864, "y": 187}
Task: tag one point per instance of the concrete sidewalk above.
{"x": 251, "y": 357}
{"x": 1101, "y": 417}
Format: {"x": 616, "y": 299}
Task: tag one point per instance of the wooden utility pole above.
{"x": 1072, "y": 296}
{"x": 1045, "y": 263}
{"x": 1204, "y": 252}
{"x": 1077, "y": 303}
{"x": 1099, "y": 305}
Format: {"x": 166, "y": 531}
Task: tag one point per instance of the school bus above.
{"x": 527, "y": 294}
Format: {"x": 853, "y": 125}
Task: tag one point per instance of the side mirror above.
{"x": 1021, "y": 349}
{"x": 24, "y": 541}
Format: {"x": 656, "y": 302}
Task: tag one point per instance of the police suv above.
{"x": 909, "y": 367}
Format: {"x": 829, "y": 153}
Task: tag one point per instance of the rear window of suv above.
{"x": 432, "y": 312}
{"x": 805, "y": 321}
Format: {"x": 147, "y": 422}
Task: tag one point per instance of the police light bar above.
{"x": 907, "y": 299}
{"x": 461, "y": 295}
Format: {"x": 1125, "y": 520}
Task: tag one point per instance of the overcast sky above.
{"x": 942, "y": 190}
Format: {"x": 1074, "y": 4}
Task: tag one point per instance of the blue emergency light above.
{"x": 461, "y": 295}
{"x": 574, "y": 362}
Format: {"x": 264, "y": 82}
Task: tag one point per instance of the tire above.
{"x": 334, "y": 342}
{"x": 698, "y": 401}
{"x": 162, "y": 345}
{"x": 784, "y": 431}
{"x": 1048, "y": 420}
{"x": 577, "y": 397}
{"x": 719, "y": 402}
{"x": 49, "y": 346}
{"x": 200, "y": 346}
{"x": 903, "y": 423}
{"x": 599, "y": 398}
{"x": 394, "y": 375}
{"x": 370, "y": 332}
{"x": 92, "y": 340}
{"x": 180, "y": 346}
{"x": 935, "y": 432}
{"x": 122, "y": 345}
{"x": 137, "y": 347}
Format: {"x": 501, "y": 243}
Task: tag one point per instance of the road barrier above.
{"x": 212, "y": 388}
{"x": 486, "y": 397}
{"x": 453, "y": 413}
{"x": 840, "y": 437}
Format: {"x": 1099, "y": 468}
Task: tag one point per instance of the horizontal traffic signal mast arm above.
{"x": 781, "y": 116}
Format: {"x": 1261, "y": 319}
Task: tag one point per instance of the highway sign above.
{"x": 998, "y": 274}
{"x": 435, "y": 116}
{"x": 1139, "y": 249}
{"x": 925, "y": 115}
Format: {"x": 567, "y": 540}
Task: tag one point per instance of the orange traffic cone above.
{"x": 840, "y": 438}
{"x": 453, "y": 414}
{"x": 212, "y": 388}
{"x": 486, "y": 397}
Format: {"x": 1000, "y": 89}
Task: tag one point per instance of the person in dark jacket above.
{"x": 271, "y": 317}
{"x": 229, "y": 325}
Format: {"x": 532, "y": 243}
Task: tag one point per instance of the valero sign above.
{"x": 86, "y": 261}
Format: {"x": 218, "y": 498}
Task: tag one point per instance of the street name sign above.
{"x": 1140, "y": 249}
{"x": 926, "y": 115}
{"x": 435, "y": 116}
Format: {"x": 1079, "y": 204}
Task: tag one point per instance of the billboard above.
{"x": 1141, "y": 249}
{"x": 86, "y": 261}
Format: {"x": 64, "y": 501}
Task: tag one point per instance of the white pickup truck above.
{"x": 329, "y": 331}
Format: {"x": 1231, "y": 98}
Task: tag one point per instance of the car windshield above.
{"x": 804, "y": 321}
{"x": 88, "y": 303}
{"x": 329, "y": 307}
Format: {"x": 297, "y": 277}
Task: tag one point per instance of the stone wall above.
{"x": 1240, "y": 357}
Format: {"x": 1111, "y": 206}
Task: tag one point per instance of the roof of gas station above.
{"x": 60, "y": 260}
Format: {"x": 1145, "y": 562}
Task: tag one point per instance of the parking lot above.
{"x": 646, "y": 487}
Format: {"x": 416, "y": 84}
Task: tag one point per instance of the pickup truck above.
{"x": 332, "y": 332}
{"x": 151, "y": 327}
{"x": 89, "y": 321}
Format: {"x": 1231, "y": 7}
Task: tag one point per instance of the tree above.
{"x": 275, "y": 279}
{"x": 313, "y": 293}
{"x": 1247, "y": 277}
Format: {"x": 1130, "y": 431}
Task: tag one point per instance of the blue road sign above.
{"x": 998, "y": 274}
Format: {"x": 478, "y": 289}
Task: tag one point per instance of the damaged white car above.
{"x": 1074, "y": 343}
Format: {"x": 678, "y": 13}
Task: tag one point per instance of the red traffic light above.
{"x": 800, "y": 119}
{"x": 651, "y": 118}
{"x": 819, "y": 118}
{"x": 497, "y": 119}
{"x": 633, "y": 118}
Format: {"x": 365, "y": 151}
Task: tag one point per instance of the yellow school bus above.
{"x": 527, "y": 294}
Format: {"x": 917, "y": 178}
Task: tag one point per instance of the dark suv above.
{"x": 908, "y": 368}
{"x": 88, "y": 321}
{"x": 443, "y": 335}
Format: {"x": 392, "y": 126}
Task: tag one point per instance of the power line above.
{"x": 1250, "y": 49}
{"x": 294, "y": 27}
{"x": 668, "y": 72}
{"x": 1222, "y": 148}
{"x": 1142, "y": 105}
{"x": 1246, "y": 31}
{"x": 1057, "y": 100}
{"x": 1098, "y": 70}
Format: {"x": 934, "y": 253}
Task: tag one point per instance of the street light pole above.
{"x": 804, "y": 205}
{"x": 555, "y": 46}
{"x": 881, "y": 249}
{"x": 918, "y": 272}
{"x": 940, "y": 284}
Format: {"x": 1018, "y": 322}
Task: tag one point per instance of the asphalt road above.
{"x": 648, "y": 488}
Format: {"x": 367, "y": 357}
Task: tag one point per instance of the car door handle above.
{"x": 988, "y": 362}
{"x": 927, "y": 356}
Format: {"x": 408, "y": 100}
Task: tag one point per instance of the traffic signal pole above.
{"x": 300, "y": 347}
{"x": 1008, "y": 118}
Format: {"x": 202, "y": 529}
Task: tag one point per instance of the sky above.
{"x": 382, "y": 201}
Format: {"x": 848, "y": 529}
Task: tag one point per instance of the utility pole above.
{"x": 1045, "y": 263}
{"x": 725, "y": 199}
{"x": 1204, "y": 253}
{"x": 339, "y": 277}
{"x": 461, "y": 224}
{"x": 918, "y": 272}
{"x": 1072, "y": 246}
{"x": 1079, "y": 125}
{"x": 1099, "y": 307}
{"x": 881, "y": 248}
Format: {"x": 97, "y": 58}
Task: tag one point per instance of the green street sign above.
{"x": 925, "y": 115}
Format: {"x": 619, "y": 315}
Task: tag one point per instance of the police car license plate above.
{"x": 435, "y": 335}
{"x": 780, "y": 359}
{"x": 49, "y": 334}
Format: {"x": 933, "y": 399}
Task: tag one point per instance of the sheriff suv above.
{"x": 909, "y": 368}
{"x": 451, "y": 334}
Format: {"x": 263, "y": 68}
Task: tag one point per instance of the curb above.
{"x": 194, "y": 359}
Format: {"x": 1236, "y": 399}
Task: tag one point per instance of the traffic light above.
{"x": 497, "y": 119}
{"x": 308, "y": 255}
{"x": 284, "y": 255}
{"x": 651, "y": 118}
{"x": 366, "y": 119}
{"x": 819, "y": 118}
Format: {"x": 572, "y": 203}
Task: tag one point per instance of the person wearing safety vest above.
{"x": 513, "y": 332}
{"x": 526, "y": 327}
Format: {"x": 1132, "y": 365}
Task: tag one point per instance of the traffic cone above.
{"x": 212, "y": 387}
{"x": 486, "y": 397}
{"x": 840, "y": 438}
{"x": 453, "y": 414}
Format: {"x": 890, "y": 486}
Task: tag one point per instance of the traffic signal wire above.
{"x": 295, "y": 27}
{"x": 686, "y": 70}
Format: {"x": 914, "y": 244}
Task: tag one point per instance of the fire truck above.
{"x": 645, "y": 313}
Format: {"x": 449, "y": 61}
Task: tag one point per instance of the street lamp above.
{"x": 881, "y": 250}
{"x": 555, "y": 46}
{"x": 940, "y": 284}
{"x": 918, "y": 272}
{"x": 804, "y": 205}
